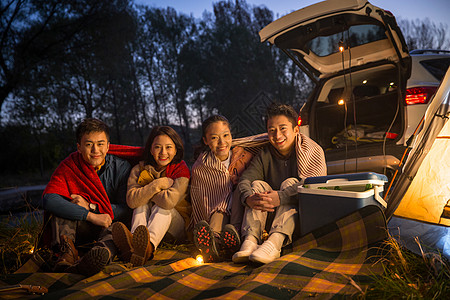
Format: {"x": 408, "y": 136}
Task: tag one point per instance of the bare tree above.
{"x": 34, "y": 31}
{"x": 424, "y": 34}
{"x": 163, "y": 33}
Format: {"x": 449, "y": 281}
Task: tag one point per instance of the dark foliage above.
{"x": 136, "y": 67}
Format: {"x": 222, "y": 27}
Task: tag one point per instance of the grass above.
{"x": 410, "y": 276}
{"x": 18, "y": 237}
{"x": 406, "y": 275}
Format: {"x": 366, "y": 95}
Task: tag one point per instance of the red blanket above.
{"x": 132, "y": 154}
{"x": 75, "y": 176}
{"x": 175, "y": 171}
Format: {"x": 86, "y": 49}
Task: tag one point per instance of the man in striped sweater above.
{"x": 268, "y": 187}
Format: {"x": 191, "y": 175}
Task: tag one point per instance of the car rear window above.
{"x": 437, "y": 67}
{"x": 356, "y": 35}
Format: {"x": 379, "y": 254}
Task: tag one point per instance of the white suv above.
{"x": 357, "y": 57}
{"x": 428, "y": 69}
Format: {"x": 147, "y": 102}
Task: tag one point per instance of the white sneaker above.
{"x": 247, "y": 248}
{"x": 266, "y": 253}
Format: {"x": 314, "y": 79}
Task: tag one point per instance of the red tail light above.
{"x": 391, "y": 135}
{"x": 419, "y": 95}
{"x": 299, "y": 121}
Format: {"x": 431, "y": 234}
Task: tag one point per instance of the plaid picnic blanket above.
{"x": 337, "y": 260}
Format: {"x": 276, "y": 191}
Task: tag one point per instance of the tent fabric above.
{"x": 431, "y": 237}
{"x": 429, "y": 191}
{"x": 423, "y": 189}
{"x": 420, "y": 200}
{"x": 336, "y": 260}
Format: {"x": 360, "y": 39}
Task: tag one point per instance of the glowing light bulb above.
{"x": 341, "y": 102}
{"x": 31, "y": 250}
{"x": 199, "y": 259}
{"x": 364, "y": 81}
{"x": 341, "y": 48}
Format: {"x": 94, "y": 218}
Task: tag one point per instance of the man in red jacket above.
{"x": 85, "y": 194}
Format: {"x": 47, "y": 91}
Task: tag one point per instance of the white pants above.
{"x": 158, "y": 221}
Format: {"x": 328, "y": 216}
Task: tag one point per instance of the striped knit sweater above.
{"x": 212, "y": 183}
{"x": 307, "y": 160}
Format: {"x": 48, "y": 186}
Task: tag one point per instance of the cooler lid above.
{"x": 347, "y": 179}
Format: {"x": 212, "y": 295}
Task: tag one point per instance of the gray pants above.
{"x": 283, "y": 220}
{"x": 219, "y": 219}
{"x": 83, "y": 233}
{"x": 237, "y": 211}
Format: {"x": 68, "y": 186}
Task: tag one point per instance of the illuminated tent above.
{"x": 420, "y": 202}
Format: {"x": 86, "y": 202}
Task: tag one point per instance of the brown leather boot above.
{"x": 143, "y": 248}
{"x": 68, "y": 254}
{"x": 123, "y": 239}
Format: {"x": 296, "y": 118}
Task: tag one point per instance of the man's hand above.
{"x": 266, "y": 201}
{"x": 274, "y": 197}
{"x": 103, "y": 220}
{"x": 77, "y": 199}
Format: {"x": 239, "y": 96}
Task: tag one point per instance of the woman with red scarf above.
{"x": 157, "y": 190}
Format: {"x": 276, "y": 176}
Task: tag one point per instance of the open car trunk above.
{"x": 368, "y": 100}
{"x": 356, "y": 55}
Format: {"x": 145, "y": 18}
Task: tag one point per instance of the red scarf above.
{"x": 75, "y": 176}
{"x": 175, "y": 171}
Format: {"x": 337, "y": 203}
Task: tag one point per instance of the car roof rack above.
{"x": 428, "y": 51}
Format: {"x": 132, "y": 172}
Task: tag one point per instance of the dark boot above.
{"x": 205, "y": 242}
{"x": 123, "y": 240}
{"x": 92, "y": 262}
{"x": 68, "y": 254}
{"x": 142, "y": 247}
{"x": 230, "y": 241}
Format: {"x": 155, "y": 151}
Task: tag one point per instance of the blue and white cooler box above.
{"x": 326, "y": 199}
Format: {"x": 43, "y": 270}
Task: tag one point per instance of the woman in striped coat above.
{"x": 217, "y": 211}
